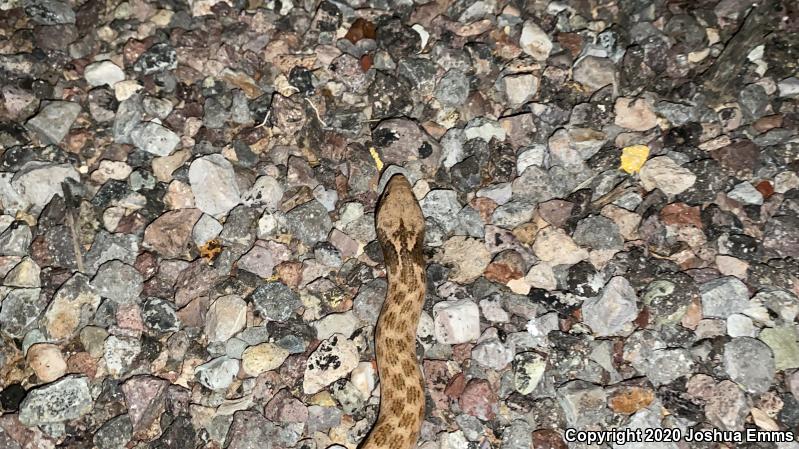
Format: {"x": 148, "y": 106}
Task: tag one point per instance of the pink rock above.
{"x": 479, "y": 399}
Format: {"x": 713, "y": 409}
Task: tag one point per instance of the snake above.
{"x": 399, "y": 225}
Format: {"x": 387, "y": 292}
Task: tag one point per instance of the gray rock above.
{"x": 207, "y": 228}
{"x": 275, "y": 301}
{"x": 129, "y": 115}
{"x": 513, "y": 213}
{"x": 38, "y": 182}
{"x": 19, "y": 311}
{"x": 159, "y": 315}
{"x": 453, "y": 88}
{"x": 119, "y": 353}
{"x": 583, "y": 403}
{"x": 309, "y": 222}
{"x": 519, "y": 435}
{"x": 50, "y": 12}
{"x": 746, "y": 194}
{"x": 118, "y": 282}
{"x": 158, "y": 58}
{"x": 611, "y": 312}
{"x": 367, "y": 303}
{"x": 15, "y": 240}
{"x": 441, "y": 206}
{"x": 114, "y": 434}
{"x": 217, "y": 374}
{"x": 154, "y": 138}
{"x": 594, "y": 72}
{"x": 213, "y": 183}
{"x": 724, "y": 296}
{"x": 52, "y": 123}
{"x": 63, "y": 400}
{"x": 750, "y": 363}
{"x": 598, "y": 232}
{"x": 215, "y": 114}
{"x": 266, "y": 192}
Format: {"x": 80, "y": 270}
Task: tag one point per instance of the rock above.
{"x": 154, "y": 138}
{"x": 333, "y": 359}
{"x": 453, "y": 88}
{"x": 275, "y": 301}
{"x": 520, "y": 88}
{"x": 46, "y": 361}
{"x": 38, "y": 182}
{"x": 15, "y": 240}
{"x": 213, "y": 183}
{"x": 226, "y": 317}
{"x": 118, "y": 282}
{"x": 598, "y": 232}
{"x": 159, "y": 315}
{"x": 740, "y": 326}
{"x": 52, "y": 123}
{"x": 594, "y": 72}
{"x": 170, "y": 234}
{"x": 534, "y": 41}
{"x": 50, "y": 12}
{"x": 554, "y": 246}
{"x": 456, "y": 321}
{"x": 663, "y": 173}
{"x": 750, "y": 363}
{"x": 746, "y": 194}
{"x": 72, "y": 306}
{"x": 493, "y": 354}
{"x": 266, "y": 192}
{"x": 782, "y": 341}
{"x": 613, "y": 310}
{"x": 261, "y": 358}
{"x": 309, "y": 222}
{"x": 723, "y": 297}
{"x": 479, "y": 399}
{"x": 441, "y": 206}
{"x": 217, "y": 374}
{"x": 207, "y": 228}
{"x": 635, "y": 114}
{"x": 582, "y": 402}
{"x": 119, "y": 354}
{"x": 103, "y": 73}
{"x": 403, "y": 140}
{"x": 728, "y": 406}
{"x": 158, "y": 58}
{"x": 114, "y": 434}
{"x": 145, "y": 397}
{"x": 528, "y": 370}
{"x": 19, "y": 311}
{"x": 57, "y": 402}
{"x": 25, "y": 274}
{"x": 468, "y": 258}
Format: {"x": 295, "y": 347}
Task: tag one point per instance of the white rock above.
{"x": 213, "y": 183}
{"x": 553, "y": 245}
{"x": 789, "y": 87}
{"x": 119, "y": 353}
{"x": 740, "y": 326}
{"x": 226, "y": 317}
{"x": 663, "y": 173}
{"x": 746, "y": 194}
{"x": 336, "y": 323}
{"x": 456, "y": 321}
{"x": 154, "y": 138}
{"x": 534, "y": 41}
{"x": 217, "y": 374}
{"x": 333, "y": 359}
{"x": 103, "y": 73}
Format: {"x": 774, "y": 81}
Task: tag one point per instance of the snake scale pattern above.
{"x": 400, "y": 231}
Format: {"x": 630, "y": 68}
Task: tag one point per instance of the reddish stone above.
{"x": 82, "y": 363}
{"x": 170, "y": 234}
{"x": 572, "y": 42}
{"x": 146, "y": 264}
{"x": 740, "y": 157}
{"x": 462, "y": 352}
{"x": 768, "y": 123}
{"x": 144, "y": 396}
{"x": 765, "y": 188}
{"x": 366, "y": 62}
{"x": 361, "y": 29}
{"x": 548, "y": 439}
{"x": 484, "y": 206}
{"x": 479, "y": 400}
{"x": 290, "y": 273}
{"x": 436, "y": 378}
{"x": 555, "y": 212}
{"x": 285, "y": 408}
{"x": 506, "y": 266}
{"x": 455, "y": 387}
{"x": 681, "y": 214}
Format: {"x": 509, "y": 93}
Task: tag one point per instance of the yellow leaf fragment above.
{"x": 633, "y": 157}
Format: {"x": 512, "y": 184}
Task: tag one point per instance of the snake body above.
{"x": 400, "y": 232}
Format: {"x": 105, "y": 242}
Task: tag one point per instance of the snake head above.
{"x": 400, "y": 222}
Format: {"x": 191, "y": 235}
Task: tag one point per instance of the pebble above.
{"x": 727, "y": 407}
{"x": 782, "y": 341}
{"x": 613, "y": 310}
{"x": 261, "y": 358}
{"x": 74, "y": 302}
{"x": 154, "y": 138}
{"x": 456, "y": 321}
{"x": 333, "y": 359}
{"x": 534, "y": 41}
{"x": 554, "y": 246}
{"x": 226, "y": 317}
{"x": 118, "y": 282}
{"x": 468, "y": 258}
{"x": 723, "y": 297}
{"x": 663, "y": 173}
{"x": 47, "y": 361}
{"x": 309, "y": 222}
{"x": 479, "y": 399}
{"x": 213, "y": 183}
{"x": 746, "y": 194}
{"x": 54, "y": 120}
{"x": 217, "y": 374}
{"x": 119, "y": 354}
{"x": 57, "y": 402}
{"x": 275, "y": 301}
{"x": 103, "y": 73}
{"x": 750, "y": 363}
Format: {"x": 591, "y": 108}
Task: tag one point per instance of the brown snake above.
{"x": 400, "y": 231}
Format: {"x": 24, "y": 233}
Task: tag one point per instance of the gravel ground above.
{"x": 187, "y": 240}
